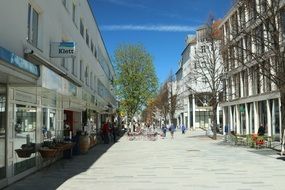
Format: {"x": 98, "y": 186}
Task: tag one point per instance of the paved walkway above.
{"x": 190, "y": 161}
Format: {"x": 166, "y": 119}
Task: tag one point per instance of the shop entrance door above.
{"x": 2, "y": 131}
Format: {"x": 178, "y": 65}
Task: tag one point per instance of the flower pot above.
{"x": 84, "y": 144}
{"x": 22, "y": 153}
{"x": 48, "y": 153}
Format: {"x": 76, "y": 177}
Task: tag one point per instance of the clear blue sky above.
{"x": 160, "y": 25}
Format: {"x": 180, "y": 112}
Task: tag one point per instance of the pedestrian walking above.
{"x": 183, "y": 129}
{"x": 164, "y": 129}
{"x": 172, "y": 129}
{"x": 113, "y": 131}
{"x": 105, "y": 132}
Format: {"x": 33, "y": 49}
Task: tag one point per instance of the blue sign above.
{"x": 13, "y": 59}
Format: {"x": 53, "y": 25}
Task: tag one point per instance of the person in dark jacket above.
{"x": 105, "y": 132}
{"x": 261, "y": 130}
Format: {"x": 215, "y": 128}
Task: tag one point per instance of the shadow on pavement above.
{"x": 54, "y": 175}
{"x": 281, "y": 158}
{"x": 264, "y": 151}
{"x": 198, "y": 136}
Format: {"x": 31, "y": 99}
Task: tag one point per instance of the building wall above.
{"x": 191, "y": 86}
{"x": 58, "y": 91}
{"x": 250, "y": 99}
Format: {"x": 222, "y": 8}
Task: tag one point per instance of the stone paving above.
{"x": 192, "y": 161}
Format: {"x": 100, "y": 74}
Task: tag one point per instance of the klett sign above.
{"x": 62, "y": 49}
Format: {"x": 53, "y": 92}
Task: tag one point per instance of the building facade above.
{"x": 194, "y": 93}
{"x": 55, "y": 74}
{"x": 251, "y": 99}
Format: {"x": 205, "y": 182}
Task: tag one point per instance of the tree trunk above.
{"x": 214, "y": 120}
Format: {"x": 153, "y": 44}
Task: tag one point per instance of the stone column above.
{"x": 269, "y": 118}
{"x": 273, "y": 119}
{"x": 251, "y": 107}
{"x": 188, "y": 112}
{"x": 241, "y": 85}
{"x": 237, "y": 119}
{"x": 231, "y": 127}
{"x": 194, "y": 111}
{"x": 256, "y": 117}
{"x": 224, "y": 120}
{"x": 280, "y": 117}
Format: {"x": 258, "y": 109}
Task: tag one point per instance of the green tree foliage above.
{"x": 136, "y": 78}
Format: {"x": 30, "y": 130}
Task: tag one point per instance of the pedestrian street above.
{"x": 189, "y": 161}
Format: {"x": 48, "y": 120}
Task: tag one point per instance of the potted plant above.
{"x": 26, "y": 150}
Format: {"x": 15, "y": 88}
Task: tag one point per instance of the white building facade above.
{"x": 194, "y": 108}
{"x": 250, "y": 99}
{"x": 41, "y": 93}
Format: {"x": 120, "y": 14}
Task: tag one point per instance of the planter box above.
{"x": 48, "y": 153}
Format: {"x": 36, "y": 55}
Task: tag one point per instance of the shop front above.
{"x": 18, "y": 115}
{"x": 25, "y": 134}
{"x": 3, "y": 114}
{"x": 246, "y": 118}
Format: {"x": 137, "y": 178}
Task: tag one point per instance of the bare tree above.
{"x": 147, "y": 113}
{"x": 173, "y": 101}
{"x": 255, "y": 44}
{"x": 205, "y": 80}
{"x": 166, "y": 100}
{"x": 162, "y": 101}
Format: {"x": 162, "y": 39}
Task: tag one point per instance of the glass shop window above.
{"x": 48, "y": 127}
{"x": 24, "y": 137}
{"x": 2, "y": 134}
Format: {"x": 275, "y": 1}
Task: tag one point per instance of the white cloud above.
{"x": 158, "y": 28}
{"x": 124, "y": 3}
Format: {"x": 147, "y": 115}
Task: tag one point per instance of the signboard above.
{"x": 62, "y": 49}
{"x": 242, "y": 109}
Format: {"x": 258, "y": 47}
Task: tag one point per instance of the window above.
{"x": 242, "y": 16}
{"x": 203, "y": 49}
{"x": 73, "y": 12}
{"x": 230, "y": 90}
{"x": 237, "y": 85}
{"x": 33, "y": 26}
{"x": 95, "y": 83}
{"x": 255, "y": 80}
{"x": 92, "y": 47}
{"x": 73, "y": 66}
{"x": 81, "y": 28}
{"x": 91, "y": 80}
{"x": 81, "y": 70}
{"x": 87, "y": 38}
{"x": 245, "y": 83}
{"x": 64, "y": 3}
{"x": 96, "y": 52}
{"x": 204, "y": 80}
{"x": 282, "y": 20}
{"x": 86, "y": 76}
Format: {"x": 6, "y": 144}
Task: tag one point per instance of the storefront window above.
{"x": 263, "y": 115}
{"x": 48, "y": 124}
{"x": 242, "y": 119}
{"x": 276, "y": 121}
{"x": 2, "y": 132}
{"x": 25, "y": 134}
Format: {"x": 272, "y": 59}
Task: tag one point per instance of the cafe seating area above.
{"x": 249, "y": 140}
